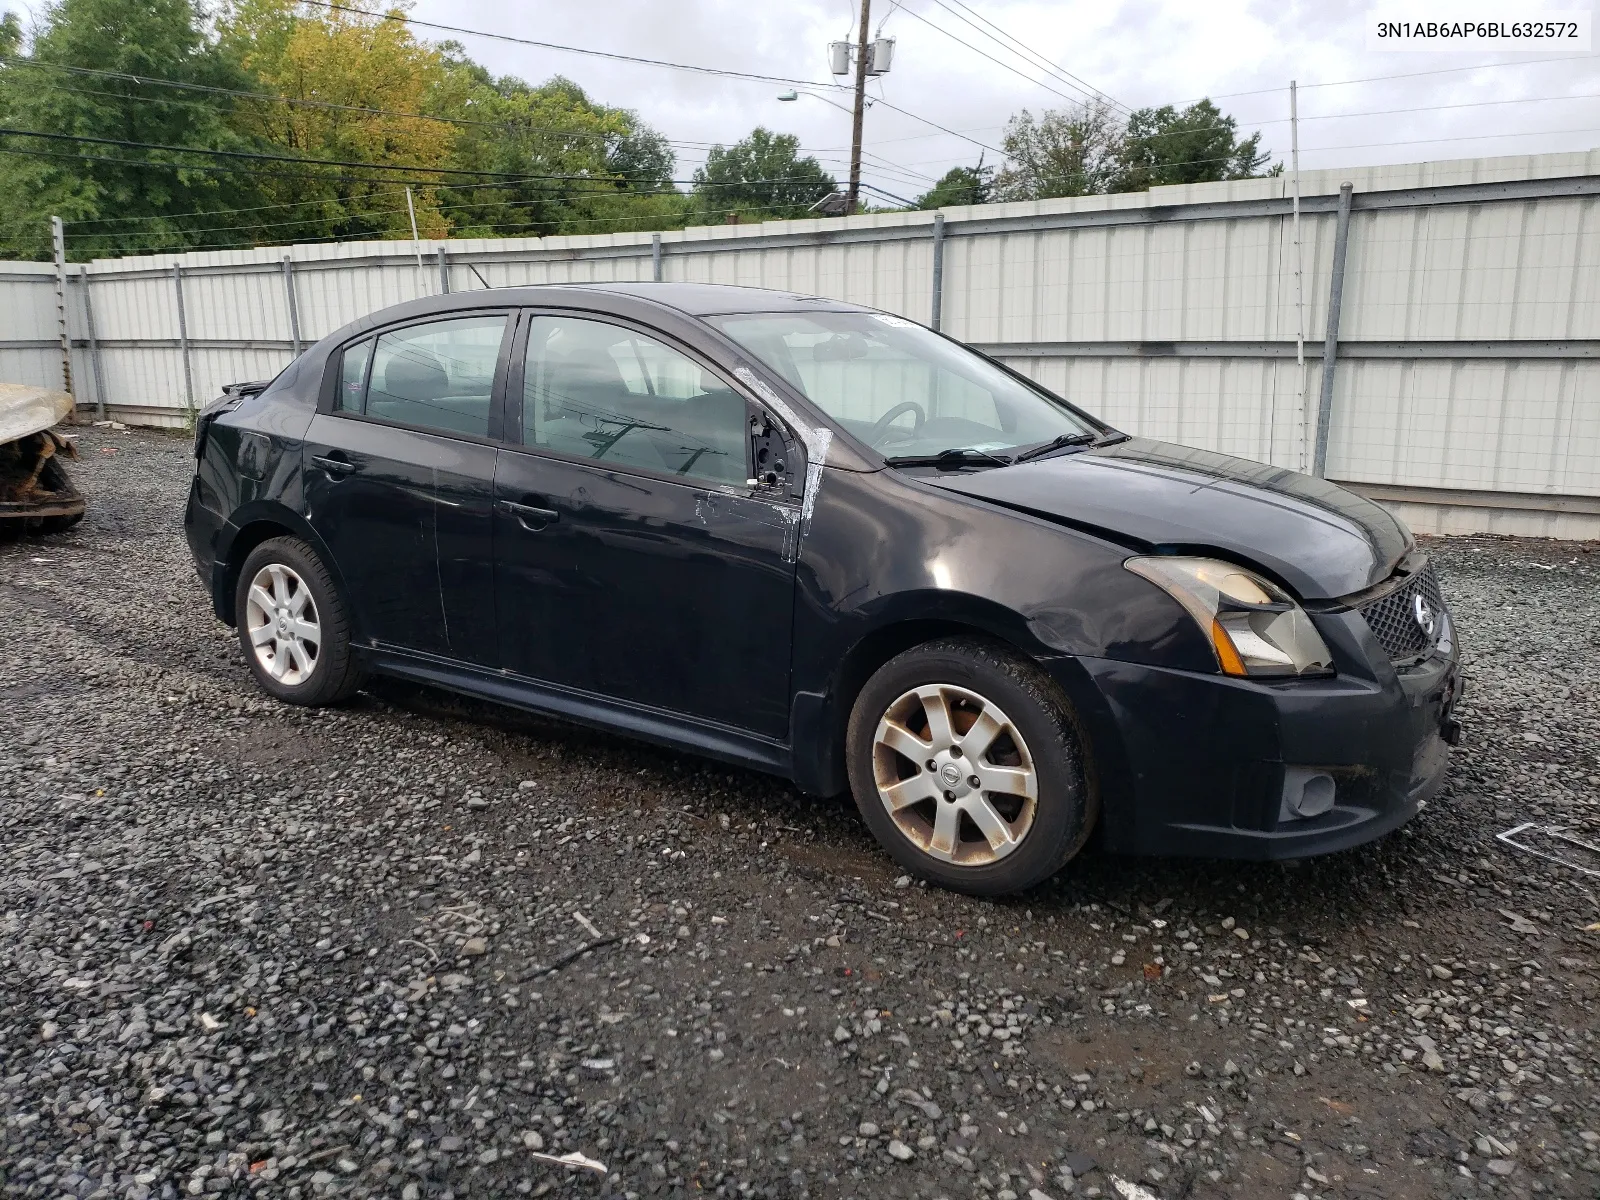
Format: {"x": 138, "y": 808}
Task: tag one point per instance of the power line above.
{"x": 1403, "y": 75}
{"x": 521, "y": 41}
{"x": 262, "y": 96}
{"x": 565, "y": 193}
{"x": 1023, "y": 51}
{"x": 200, "y": 168}
{"x": 257, "y": 155}
{"x": 1381, "y": 112}
{"x": 936, "y": 125}
{"x": 693, "y": 147}
{"x": 655, "y": 62}
{"x": 889, "y": 195}
{"x": 1087, "y": 95}
{"x": 296, "y": 102}
{"x": 343, "y": 238}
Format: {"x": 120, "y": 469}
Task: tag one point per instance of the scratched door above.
{"x": 632, "y": 559}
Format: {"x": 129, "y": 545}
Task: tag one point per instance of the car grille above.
{"x": 1393, "y": 617}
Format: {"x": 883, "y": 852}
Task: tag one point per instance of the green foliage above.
{"x": 1196, "y": 145}
{"x": 88, "y": 184}
{"x": 590, "y": 168}
{"x": 1062, "y": 152}
{"x": 1088, "y": 150}
{"x": 587, "y": 167}
{"x": 960, "y": 185}
{"x": 348, "y": 89}
{"x": 10, "y": 34}
{"x": 760, "y": 177}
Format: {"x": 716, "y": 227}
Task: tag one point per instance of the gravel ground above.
{"x": 249, "y": 948}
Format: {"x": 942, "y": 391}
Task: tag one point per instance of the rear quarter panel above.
{"x": 248, "y": 478}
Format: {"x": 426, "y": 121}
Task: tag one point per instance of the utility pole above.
{"x": 853, "y": 196}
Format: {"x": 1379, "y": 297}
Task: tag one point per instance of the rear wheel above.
{"x": 293, "y": 626}
{"x": 965, "y": 763}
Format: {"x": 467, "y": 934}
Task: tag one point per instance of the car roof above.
{"x": 692, "y": 299}
{"x": 709, "y": 299}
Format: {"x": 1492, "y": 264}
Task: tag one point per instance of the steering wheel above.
{"x": 881, "y": 426}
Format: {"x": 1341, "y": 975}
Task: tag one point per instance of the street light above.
{"x": 835, "y": 204}
{"x": 791, "y": 95}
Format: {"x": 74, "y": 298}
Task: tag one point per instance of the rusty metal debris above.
{"x": 36, "y": 495}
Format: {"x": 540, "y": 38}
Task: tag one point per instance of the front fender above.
{"x": 886, "y": 563}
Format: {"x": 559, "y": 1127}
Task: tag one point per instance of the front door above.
{"x": 633, "y": 557}
{"x": 398, "y": 469}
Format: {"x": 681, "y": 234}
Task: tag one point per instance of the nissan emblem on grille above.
{"x": 1424, "y": 614}
{"x": 1408, "y": 619}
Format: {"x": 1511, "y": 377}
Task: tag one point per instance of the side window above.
{"x": 439, "y": 375}
{"x": 604, "y": 392}
{"x": 353, "y": 377}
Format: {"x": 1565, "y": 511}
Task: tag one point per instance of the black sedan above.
{"x": 827, "y": 543}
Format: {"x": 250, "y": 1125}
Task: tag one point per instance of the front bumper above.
{"x": 1191, "y": 764}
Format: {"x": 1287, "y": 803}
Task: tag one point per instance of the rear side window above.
{"x": 353, "y": 377}
{"x": 439, "y": 375}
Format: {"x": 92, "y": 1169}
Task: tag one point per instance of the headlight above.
{"x": 1253, "y": 625}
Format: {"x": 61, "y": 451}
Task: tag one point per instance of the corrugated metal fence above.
{"x": 1463, "y": 385}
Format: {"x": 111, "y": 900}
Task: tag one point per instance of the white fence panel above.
{"x": 1467, "y": 366}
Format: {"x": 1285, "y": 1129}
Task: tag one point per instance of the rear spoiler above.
{"x": 232, "y": 395}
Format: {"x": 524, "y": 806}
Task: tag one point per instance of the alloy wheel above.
{"x": 954, "y": 774}
{"x": 281, "y": 618}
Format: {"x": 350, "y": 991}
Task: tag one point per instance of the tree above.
{"x": 10, "y": 34}
{"x": 1197, "y": 145}
{"x": 353, "y": 61}
{"x": 642, "y": 157}
{"x": 114, "y": 197}
{"x": 1064, "y": 152}
{"x": 587, "y": 168}
{"x": 761, "y": 177}
{"x": 960, "y": 185}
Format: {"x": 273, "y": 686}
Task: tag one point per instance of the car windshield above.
{"x": 903, "y": 389}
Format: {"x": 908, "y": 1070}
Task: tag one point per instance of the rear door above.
{"x": 399, "y": 476}
{"x": 634, "y": 557}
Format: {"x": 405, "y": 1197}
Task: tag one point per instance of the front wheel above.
{"x": 966, "y": 765}
{"x": 293, "y": 626}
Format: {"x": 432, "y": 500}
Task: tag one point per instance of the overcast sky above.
{"x": 1138, "y": 52}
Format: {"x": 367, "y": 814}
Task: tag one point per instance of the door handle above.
{"x": 530, "y": 516}
{"x": 335, "y": 466}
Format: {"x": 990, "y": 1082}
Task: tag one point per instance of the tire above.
{"x": 285, "y": 590}
{"x": 1005, "y": 840}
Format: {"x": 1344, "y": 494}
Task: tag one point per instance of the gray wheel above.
{"x": 292, "y": 625}
{"x": 954, "y": 774}
{"x": 282, "y": 625}
{"x": 966, "y": 764}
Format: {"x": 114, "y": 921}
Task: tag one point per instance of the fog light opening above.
{"x": 1306, "y": 793}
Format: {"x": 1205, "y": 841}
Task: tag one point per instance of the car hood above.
{"x": 1321, "y": 540}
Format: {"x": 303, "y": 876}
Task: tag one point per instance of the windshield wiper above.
{"x": 954, "y": 457}
{"x": 1057, "y": 443}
